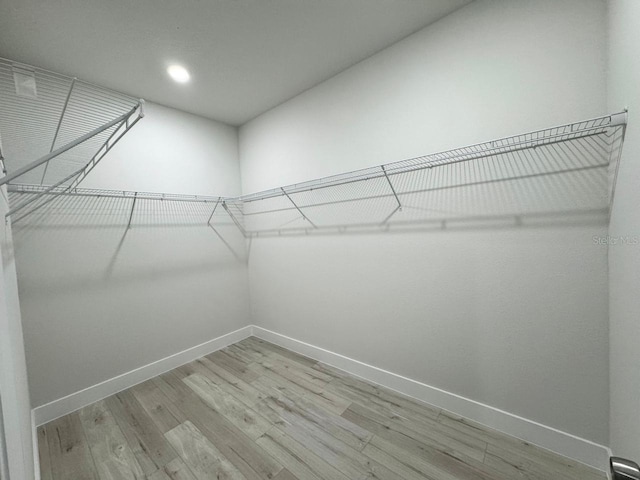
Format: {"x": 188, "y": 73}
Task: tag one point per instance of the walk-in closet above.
{"x": 302, "y": 240}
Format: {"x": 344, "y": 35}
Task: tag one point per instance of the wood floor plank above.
{"x": 248, "y": 350}
{"x": 157, "y": 406}
{"x": 243, "y": 391}
{"x": 421, "y": 417}
{"x": 239, "y": 354}
{"x": 301, "y": 370}
{"x": 43, "y": 455}
{"x": 517, "y": 465}
{"x": 348, "y": 460}
{"x": 256, "y": 411}
{"x": 200, "y": 455}
{"x": 407, "y": 468}
{"x": 475, "y": 430}
{"x": 296, "y": 458}
{"x": 197, "y": 366}
{"x": 441, "y": 458}
{"x": 528, "y": 451}
{"x": 149, "y": 446}
{"x": 159, "y": 474}
{"x": 69, "y": 451}
{"x": 278, "y": 369}
{"x": 296, "y": 409}
{"x": 263, "y": 345}
{"x": 430, "y": 463}
{"x": 285, "y": 475}
{"x": 239, "y": 369}
{"x": 425, "y": 435}
{"x": 111, "y": 453}
{"x": 250, "y": 422}
{"x": 426, "y": 427}
{"x": 386, "y": 396}
{"x": 325, "y": 399}
{"x": 239, "y": 449}
{"x": 174, "y": 470}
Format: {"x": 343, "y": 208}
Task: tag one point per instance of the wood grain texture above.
{"x": 285, "y": 475}
{"x": 156, "y": 404}
{"x": 301, "y": 461}
{"x": 43, "y": 454}
{"x": 111, "y": 453}
{"x": 255, "y": 411}
{"x": 200, "y": 455}
{"x": 174, "y": 470}
{"x": 250, "y": 422}
{"x": 69, "y": 451}
{"x": 149, "y": 446}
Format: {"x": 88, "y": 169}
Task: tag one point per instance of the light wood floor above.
{"x": 256, "y": 411}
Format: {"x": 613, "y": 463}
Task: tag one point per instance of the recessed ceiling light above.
{"x": 179, "y": 73}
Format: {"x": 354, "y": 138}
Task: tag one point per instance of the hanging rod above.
{"x": 96, "y": 192}
{"x": 563, "y": 167}
{"x": 533, "y": 139}
{"x": 568, "y": 168}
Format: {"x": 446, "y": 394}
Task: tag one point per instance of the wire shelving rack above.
{"x": 568, "y": 168}
{"x": 55, "y": 129}
{"x": 69, "y": 125}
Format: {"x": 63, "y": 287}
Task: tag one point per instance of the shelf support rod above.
{"x": 235, "y": 220}
{"x": 81, "y": 173}
{"x": 393, "y": 190}
{"x": 39, "y": 195}
{"x": 214, "y": 211}
{"x": 64, "y": 148}
{"x": 96, "y": 159}
{"x": 391, "y": 185}
{"x": 4, "y": 168}
{"x": 55, "y": 136}
{"x": 298, "y": 208}
{"x": 133, "y": 206}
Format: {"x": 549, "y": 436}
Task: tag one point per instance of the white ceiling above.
{"x": 245, "y": 56}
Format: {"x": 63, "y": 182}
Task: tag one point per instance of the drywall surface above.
{"x": 513, "y": 318}
{"x": 624, "y": 254}
{"x": 98, "y": 299}
{"x": 170, "y": 151}
{"x": 14, "y": 388}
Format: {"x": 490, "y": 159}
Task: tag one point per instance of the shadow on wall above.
{"x": 84, "y": 241}
{"x": 557, "y": 179}
{"x": 564, "y": 175}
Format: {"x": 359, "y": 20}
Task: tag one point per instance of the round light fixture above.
{"x": 179, "y": 73}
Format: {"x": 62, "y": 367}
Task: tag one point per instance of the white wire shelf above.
{"x": 116, "y": 208}
{"x": 55, "y": 129}
{"x": 123, "y": 211}
{"x": 569, "y": 168}
{"x": 16, "y": 189}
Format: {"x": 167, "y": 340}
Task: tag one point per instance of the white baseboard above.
{"x": 544, "y": 436}
{"x": 77, "y": 400}
{"x": 571, "y": 446}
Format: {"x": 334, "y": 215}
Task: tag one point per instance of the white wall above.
{"x": 516, "y": 319}
{"x": 97, "y": 303}
{"x": 170, "y": 151}
{"x": 14, "y": 390}
{"x": 624, "y": 260}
